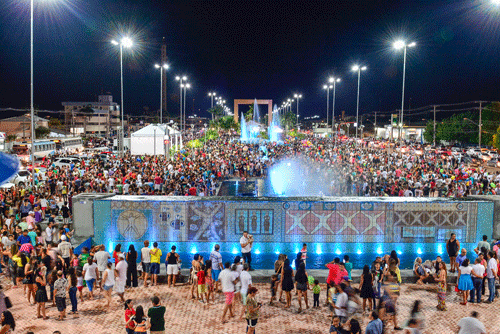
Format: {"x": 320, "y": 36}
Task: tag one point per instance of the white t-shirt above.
{"x": 226, "y": 279}
{"x": 478, "y": 269}
{"x": 121, "y": 267}
{"x": 101, "y": 257}
{"x": 470, "y": 325}
{"x": 110, "y": 280}
{"x": 146, "y": 256}
{"x": 341, "y": 302}
{"x": 248, "y": 247}
{"x": 492, "y": 267}
{"x": 246, "y": 280}
{"x": 48, "y": 234}
{"x": 465, "y": 270}
{"x": 89, "y": 271}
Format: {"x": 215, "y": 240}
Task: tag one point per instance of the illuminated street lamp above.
{"x": 357, "y": 68}
{"x": 398, "y": 45}
{"x": 162, "y": 67}
{"x": 127, "y": 43}
{"x": 181, "y": 79}
{"x": 212, "y": 95}
{"x": 298, "y": 97}
{"x": 327, "y": 88}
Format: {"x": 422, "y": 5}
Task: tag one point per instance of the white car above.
{"x": 66, "y": 162}
{"x": 21, "y": 178}
{"x": 7, "y": 185}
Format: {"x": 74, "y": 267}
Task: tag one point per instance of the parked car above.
{"x": 495, "y": 162}
{"x": 21, "y": 178}
{"x": 7, "y": 185}
{"x": 66, "y": 162}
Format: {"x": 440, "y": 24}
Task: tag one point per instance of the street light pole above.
{"x": 400, "y": 44}
{"x": 357, "y": 68}
{"x": 161, "y": 67}
{"x": 32, "y": 104}
{"x": 298, "y": 97}
{"x": 333, "y": 104}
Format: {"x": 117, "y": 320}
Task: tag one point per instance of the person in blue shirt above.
{"x": 375, "y": 326}
{"x": 24, "y": 238}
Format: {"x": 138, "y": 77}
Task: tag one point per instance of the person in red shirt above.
{"x": 202, "y": 290}
{"x": 129, "y": 312}
{"x": 333, "y": 273}
{"x": 192, "y": 190}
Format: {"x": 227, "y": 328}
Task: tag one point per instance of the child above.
{"x": 343, "y": 273}
{"x": 348, "y": 266}
{"x": 274, "y": 288}
{"x": 209, "y": 282}
{"x": 79, "y": 283}
{"x": 83, "y": 257}
{"x": 316, "y": 291}
{"x": 74, "y": 261}
{"x": 202, "y": 290}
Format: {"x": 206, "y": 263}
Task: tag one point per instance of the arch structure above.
{"x": 250, "y": 101}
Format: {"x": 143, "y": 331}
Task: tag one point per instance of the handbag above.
{"x": 8, "y": 303}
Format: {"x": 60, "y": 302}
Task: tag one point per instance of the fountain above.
{"x": 256, "y": 114}
{"x": 244, "y": 131}
{"x": 274, "y": 129}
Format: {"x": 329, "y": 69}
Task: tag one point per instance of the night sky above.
{"x": 248, "y": 49}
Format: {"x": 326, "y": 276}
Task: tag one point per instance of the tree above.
{"x": 496, "y": 139}
{"x": 217, "y": 111}
{"x": 11, "y": 138}
{"x": 55, "y": 123}
{"x": 41, "y": 132}
{"x": 249, "y": 114}
{"x": 288, "y": 120}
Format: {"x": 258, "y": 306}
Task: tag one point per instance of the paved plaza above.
{"x": 187, "y": 316}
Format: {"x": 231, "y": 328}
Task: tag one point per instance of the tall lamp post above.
{"x": 212, "y": 95}
{"x": 335, "y": 81}
{"x": 181, "y": 80}
{"x": 357, "y": 68}
{"x": 125, "y": 42}
{"x": 327, "y": 87}
{"x": 183, "y": 119}
{"x": 298, "y": 97}
{"x": 161, "y": 67}
{"x": 398, "y": 45}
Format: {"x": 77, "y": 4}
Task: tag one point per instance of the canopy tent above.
{"x": 153, "y": 139}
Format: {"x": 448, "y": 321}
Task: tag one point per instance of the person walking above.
{"x": 131, "y": 267}
{"x": 60, "y": 287}
{"x": 172, "y": 260}
{"x": 375, "y": 326}
{"x": 145, "y": 262}
{"x": 491, "y": 275}
{"x": 156, "y": 315}
{"x": 90, "y": 274}
{"x": 366, "y": 284}
{"x": 121, "y": 276}
{"x": 252, "y": 310}
{"x": 129, "y": 313}
{"x": 287, "y": 282}
{"x": 73, "y": 282}
{"x": 227, "y": 283}
{"x": 302, "y": 285}
{"x": 155, "y": 254}
{"x": 246, "y": 242}
{"x": 41, "y": 294}
{"x": 471, "y": 324}
{"x": 452, "y": 248}
{"x": 101, "y": 258}
{"x": 108, "y": 282}
{"x": 246, "y": 283}
{"x": 217, "y": 266}
{"x": 441, "y": 279}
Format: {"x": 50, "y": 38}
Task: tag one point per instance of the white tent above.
{"x": 151, "y": 139}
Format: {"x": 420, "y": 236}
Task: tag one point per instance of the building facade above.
{"x": 99, "y": 119}
{"x": 20, "y": 126}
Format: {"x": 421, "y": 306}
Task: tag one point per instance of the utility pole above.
{"x": 434, "y": 132}
{"x": 375, "y": 123}
{"x": 480, "y": 121}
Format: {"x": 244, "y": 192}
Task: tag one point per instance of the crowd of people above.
{"x": 38, "y": 242}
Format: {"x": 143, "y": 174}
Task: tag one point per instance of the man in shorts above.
{"x": 146, "y": 262}
{"x": 155, "y": 254}
{"x": 60, "y": 286}
{"x": 227, "y": 282}
{"x": 217, "y": 266}
{"x": 121, "y": 276}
